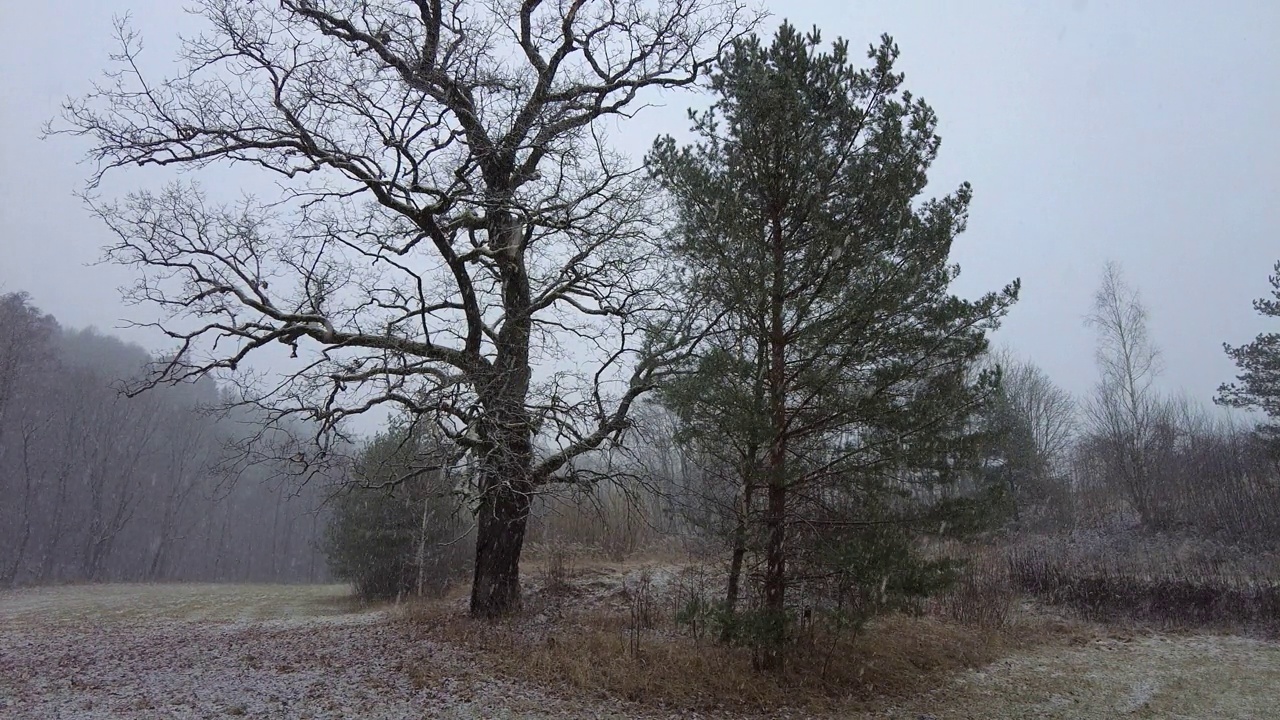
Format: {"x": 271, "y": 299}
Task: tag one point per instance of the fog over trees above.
{"x": 98, "y": 486}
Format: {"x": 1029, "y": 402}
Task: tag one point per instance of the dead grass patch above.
{"x": 601, "y": 654}
{"x": 128, "y": 602}
{"x": 1168, "y": 596}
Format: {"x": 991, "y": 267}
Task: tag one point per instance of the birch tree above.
{"x": 1125, "y": 410}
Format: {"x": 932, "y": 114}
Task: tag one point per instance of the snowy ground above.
{"x": 217, "y": 651}
{"x": 1199, "y": 677}
{"x": 210, "y": 651}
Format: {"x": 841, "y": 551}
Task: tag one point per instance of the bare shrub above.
{"x": 558, "y": 568}
{"x": 642, "y": 609}
{"x": 1206, "y": 476}
{"x": 983, "y": 596}
{"x": 697, "y": 612}
{"x": 607, "y": 519}
{"x": 1223, "y": 479}
{"x": 1158, "y": 588}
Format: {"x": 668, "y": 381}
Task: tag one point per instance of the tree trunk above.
{"x": 740, "y": 537}
{"x": 311, "y": 566}
{"x": 218, "y": 573}
{"x": 771, "y": 657}
{"x": 507, "y": 430}
{"x": 775, "y": 578}
{"x": 503, "y": 515}
{"x": 164, "y": 538}
{"x": 275, "y": 536}
{"x": 20, "y": 552}
{"x": 422, "y": 546}
{"x": 502, "y": 520}
{"x": 55, "y": 529}
{"x": 749, "y": 473}
{"x": 735, "y": 562}
{"x": 735, "y": 570}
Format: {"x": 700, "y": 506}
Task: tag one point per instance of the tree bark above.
{"x": 746, "y": 499}
{"x": 771, "y": 657}
{"x": 422, "y": 546}
{"x": 504, "y": 516}
{"x": 502, "y": 520}
{"x": 739, "y": 552}
{"x": 507, "y": 431}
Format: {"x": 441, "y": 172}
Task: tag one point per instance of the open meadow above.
{"x": 298, "y": 651}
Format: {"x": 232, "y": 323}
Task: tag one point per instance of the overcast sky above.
{"x": 1143, "y": 132}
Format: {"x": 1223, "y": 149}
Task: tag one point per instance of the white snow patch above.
{"x": 1140, "y": 695}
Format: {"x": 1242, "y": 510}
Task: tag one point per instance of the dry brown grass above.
{"x": 133, "y": 665}
{"x": 599, "y": 630}
{"x": 600, "y": 653}
{"x": 112, "y": 602}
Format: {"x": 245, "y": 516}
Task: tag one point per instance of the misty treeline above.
{"x": 1131, "y": 453}
{"x": 98, "y": 486}
{"x": 751, "y": 335}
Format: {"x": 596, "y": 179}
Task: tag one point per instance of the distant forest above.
{"x": 98, "y": 486}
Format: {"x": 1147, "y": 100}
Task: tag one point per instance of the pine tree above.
{"x": 1258, "y": 384}
{"x": 843, "y": 368}
{"x": 395, "y": 528}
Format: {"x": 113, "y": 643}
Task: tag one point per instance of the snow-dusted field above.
{"x": 1198, "y": 677}
{"x": 220, "y": 651}
{"x": 194, "y": 602}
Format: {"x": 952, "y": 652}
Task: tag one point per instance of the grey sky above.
{"x": 1144, "y": 132}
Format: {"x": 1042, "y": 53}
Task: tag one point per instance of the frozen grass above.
{"x": 105, "y": 604}
{"x": 211, "y": 651}
{"x": 1154, "y": 676}
{"x": 208, "y": 651}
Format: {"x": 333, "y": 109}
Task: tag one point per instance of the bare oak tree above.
{"x": 449, "y": 215}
